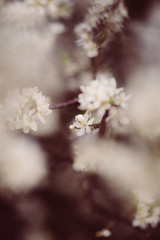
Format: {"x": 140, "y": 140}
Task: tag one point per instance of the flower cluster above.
{"x": 22, "y": 110}
{"x": 103, "y": 19}
{"x": 53, "y": 8}
{"x": 82, "y": 124}
{"x": 99, "y": 96}
{"x": 148, "y": 213}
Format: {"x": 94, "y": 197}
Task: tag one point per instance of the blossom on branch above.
{"x": 23, "y": 110}
{"x": 82, "y": 124}
{"x": 104, "y": 19}
{"x": 101, "y": 95}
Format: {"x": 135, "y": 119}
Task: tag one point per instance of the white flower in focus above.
{"x": 22, "y": 164}
{"x": 103, "y": 233}
{"x": 82, "y": 124}
{"x": 101, "y": 95}
{"x": 24, "y": 110}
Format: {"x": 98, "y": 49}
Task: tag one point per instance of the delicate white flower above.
{"x": 22, "y": 110}
{"x": 101, "y": 95}
{"x": 82, "y": 124}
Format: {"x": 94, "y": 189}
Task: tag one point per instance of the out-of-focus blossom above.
{"x": 117, "y": 117}
{"x": 27, "y": 46}
{"x": 103, "y": 233}
{"x": 22, "y": 110}
{"x": 103, "y": 19}
{"x": 54, "y": 8}
{"x": 148, "y": 212}
{"x": 22, "y": 164}
{"x": 129, "y": 167}
{"x": 17, "y": 15}
{"x": 144, "y": 107}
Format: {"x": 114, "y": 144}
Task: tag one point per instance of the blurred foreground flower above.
{"x": 22, "y": 164}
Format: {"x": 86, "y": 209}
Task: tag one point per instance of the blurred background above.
{"x": 50, "y": 200}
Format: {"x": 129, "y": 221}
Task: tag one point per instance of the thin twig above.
{"x": 63, "y": 104}
{"x": 102, "y": 127}
{"x": 94, "y": 66}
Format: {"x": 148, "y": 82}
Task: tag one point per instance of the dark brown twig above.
{"x": 102, "y": 127}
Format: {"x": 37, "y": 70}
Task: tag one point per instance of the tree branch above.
{"x": 63, "y": 104}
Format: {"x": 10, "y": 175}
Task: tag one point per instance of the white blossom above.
{"x": 82, "y": 124}
{"x": 100, "y": 14}
{"x": 101, "y": 95}
{"x": 103, "y": 233}
{"x": 23, "y": 110}
{"x": 147, "y": 213}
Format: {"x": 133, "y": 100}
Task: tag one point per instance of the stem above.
{"x": 94, "y": 67}
{"x": 102, "y": 127}
{"x": 63, "y": 104}
{"x": 96, "y": 125}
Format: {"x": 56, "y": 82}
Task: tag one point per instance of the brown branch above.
{"x": 103, "y": 124}
{"x": 63, "y": 104}
{"x": 94, "y": 67}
